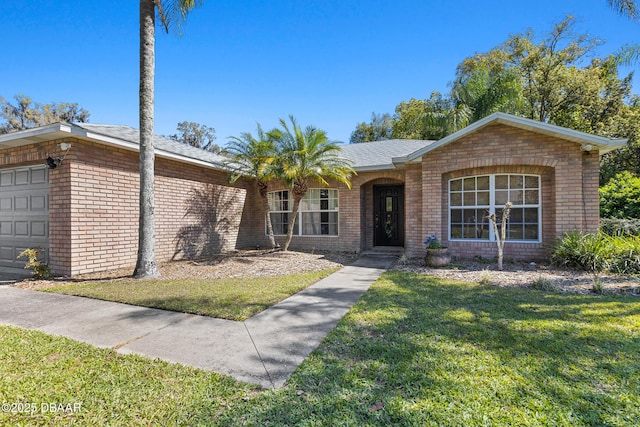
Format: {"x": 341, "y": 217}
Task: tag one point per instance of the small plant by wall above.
{"x": 40, "y": 270}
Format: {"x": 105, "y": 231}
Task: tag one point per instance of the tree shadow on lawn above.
{"x": 417, "y": 350}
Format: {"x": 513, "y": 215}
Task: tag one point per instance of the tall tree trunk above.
{"x": 292, "y": 221}
{"x": 146, "y": 266}
{"x": 263, "y": 190}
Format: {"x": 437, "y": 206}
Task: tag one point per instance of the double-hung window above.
{"x": 317, "y": 215}
{"x": 472, "y": 199}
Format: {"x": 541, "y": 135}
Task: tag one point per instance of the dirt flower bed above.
{"x": 246, "y": 263}
{"x": 523, "y": 274}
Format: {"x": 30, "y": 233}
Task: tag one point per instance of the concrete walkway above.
{"x": 263, "y": 350}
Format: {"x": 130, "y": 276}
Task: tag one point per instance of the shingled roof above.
{"x": 130, "y": 134}
{"x": 380, "y": 155}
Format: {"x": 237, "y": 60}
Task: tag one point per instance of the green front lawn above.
{"x": 233, "y": 299}
{"x": 413, "y": 351}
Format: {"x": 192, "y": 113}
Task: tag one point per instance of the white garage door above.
{"x": 24, "y": 215}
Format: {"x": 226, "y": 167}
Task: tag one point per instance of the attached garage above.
{"x": 84, "y": 212}
{"x": 24, "y": 215}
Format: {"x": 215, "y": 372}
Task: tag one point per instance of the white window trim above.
{"x": 492, "y": 208}
{"x": 299, "y": 219}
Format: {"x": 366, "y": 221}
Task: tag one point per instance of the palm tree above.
{"x": 306, "y": 156}
{"x": 628, "y": 8}
{"x": 170, "y": 12}
{"x": 254, "y": 158}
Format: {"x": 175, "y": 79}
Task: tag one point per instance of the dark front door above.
{"x": 388, "y": 215}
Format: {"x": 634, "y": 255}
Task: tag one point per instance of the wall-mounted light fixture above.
{"x": 54, "y": 163}
{"x": 587, "y": 147}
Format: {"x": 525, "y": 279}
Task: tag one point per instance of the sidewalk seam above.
{"x": 273, "y": 385}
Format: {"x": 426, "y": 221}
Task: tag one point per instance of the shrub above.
{"x": 597, "y": 252}
{"x": 620, "y": 197}
{"x": 620, "y": 226}
{"x": 40, "y": 270}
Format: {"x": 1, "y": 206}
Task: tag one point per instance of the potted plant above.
{"x": 437, "y": 255}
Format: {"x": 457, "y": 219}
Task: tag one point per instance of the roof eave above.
{"x": 374, "y": 168}
{"x": 601, "y": 143}
{"x": 65, "y": 130}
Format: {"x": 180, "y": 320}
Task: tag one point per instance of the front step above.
{"x": 384, "y": 251}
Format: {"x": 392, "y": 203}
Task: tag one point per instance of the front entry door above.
{"x": 388, "y": 215}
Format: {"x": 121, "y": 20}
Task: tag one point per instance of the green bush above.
{"x": 597, "y": 252}
{"x": 40, "y": 270}
{"x": 620, "y": 226}
{"x": 620, "y": 197}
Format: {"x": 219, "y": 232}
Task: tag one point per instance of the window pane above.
{"x": 516, "y": 197}
{"x": 531, "y": 181}
{"x": 313, "y": 194}
{"x": 333, "y": 229}
{"x": 470, "y": 216}
{"x": 531, "y": 215}
{"x": 469, "y": 199}
{"x": 502, "y": 181}
{"x": 516, "y": 181}
{"x": 305, "y": 204}
{"x": 279, "y": 222}
{"x": 456, "y": 199}
{"x": 456, "y": 185}
{"x": 515, "y": 232}
{"x": 483, "y": 183}
{"x": 311, "y": 223}
{"x": 502, "y": 197}
{"x": 531, "y": 232}
{"x": 516, "y": 215}
{"x": 531, "y": 197}
{"x": 456, "y": 231}
{"x": 333, "y": 204}
{"x": 456, "y": 215}
{"x": 469, "y": 184}
{"x": 483, "y": 198}
{"x": 324, "y": 194}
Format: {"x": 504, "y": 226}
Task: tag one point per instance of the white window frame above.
{"x": 305, "y": 207}
{"x": 492, "y": 206}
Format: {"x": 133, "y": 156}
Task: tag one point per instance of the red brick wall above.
{"x": 94, "y": 207}
{"x": 355, "y": 215}
{"x": 94, "y": 200}
{"x": 566, "y": 175}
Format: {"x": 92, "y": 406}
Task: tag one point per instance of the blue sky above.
{"x": 329, "y": 63}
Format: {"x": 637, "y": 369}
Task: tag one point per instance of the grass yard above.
{"x": 233, "y": 299}
{"x": 414, "y": 351}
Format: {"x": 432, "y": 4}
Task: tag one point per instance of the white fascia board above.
{"x": 34, "y": 135}
{"x": 374, "y": 168}
{"x": 601, "y": 143}
{"x": 62, "y": 130}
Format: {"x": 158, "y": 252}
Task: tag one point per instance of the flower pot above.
{"x": 437, "y": 257}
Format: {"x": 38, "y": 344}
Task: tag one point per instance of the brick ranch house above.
{"x": 84, "y": 212}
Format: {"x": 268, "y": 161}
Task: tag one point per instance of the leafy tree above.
{"x": 627, "y": 158}
{"x": 25, "y": 114}
{"x": 196, "y": 135}
{"x": 620, "y": 197}
{"x": 254, "y": 158}
{"x": 379, "y": 129}
{"x": 307, "y": 155}
{"x": 431, "y": 118}
{"x": 170, "y": 12}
